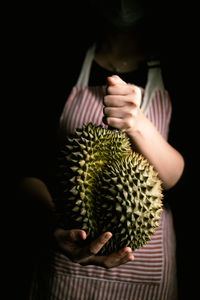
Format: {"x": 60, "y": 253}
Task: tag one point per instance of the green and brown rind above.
{"x": 106, "y": 186}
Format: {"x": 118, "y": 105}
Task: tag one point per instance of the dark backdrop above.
{"x": 45, "y": 46}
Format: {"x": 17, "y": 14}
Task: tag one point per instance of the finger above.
{"x": 97, "y": 244}
{"x": 118, "y": 258}
{"x": 118, "y": 100}
{"x": 113, "y": 101}
{"x": 113, "y": 112}
{"x": 119, "y": 90}
{"x": 129, "y": 257}
{"x": 93, "y": 260}
{"x": 87, "y": 254}
{"x": 118, "y": 123}
{"x": 113, "y": 80}
{"x": 121, "y": 113}
{"x": 75, "y": 235}
{"x": 113, "y": 260}
{"x": 120, "y": 254}
{"x": 129, "y": 89}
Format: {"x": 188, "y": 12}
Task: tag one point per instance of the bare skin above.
{"x": 122, "y": 111}
{"x": 120, "y": 51}
{"x": 69, "y": 242}
{"x": 74, "y": 242}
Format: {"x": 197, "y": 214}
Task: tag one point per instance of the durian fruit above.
{"x": 106, "y": 186}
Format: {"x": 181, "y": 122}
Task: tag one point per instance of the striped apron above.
{"x": 152, "y": 275}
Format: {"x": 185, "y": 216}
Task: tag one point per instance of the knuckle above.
{"x": 136, "y": 95}
{"x": 106, "y": 100}
{"x": 131, "y": 112}
{"x": 135, "y": 100}
{"x": 105, "y": 111}
{"x": 91, "y": 251}
{"x": 134, "y": 88}
{"x": 128, "y": 123}
{"x": 108, "y": 121}
{"x": 109, "y": 90}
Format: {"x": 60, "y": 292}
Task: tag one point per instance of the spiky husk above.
{"x": 105, "y": 186}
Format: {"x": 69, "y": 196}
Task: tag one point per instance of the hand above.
{"x": 122, "y": 104}
{"x": 73, "y": 243}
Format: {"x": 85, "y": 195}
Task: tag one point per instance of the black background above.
{"x": 44, "y": 44}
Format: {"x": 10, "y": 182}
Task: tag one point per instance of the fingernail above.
{"x": 131, "y": 257}
{"x": 127, "y": 250}
{"x": 115, "y": 78}
{"x": 108, "y": 235}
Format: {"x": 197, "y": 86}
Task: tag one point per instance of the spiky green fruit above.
{"x": 106, "y": 186}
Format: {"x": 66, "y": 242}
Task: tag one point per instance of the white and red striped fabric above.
{"x": 85, "y": 104}
{"x": 152, "y": 275}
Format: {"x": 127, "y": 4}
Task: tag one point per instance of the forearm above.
{"x": 167, "y": 161}
{"x": 122, "y": 111}
{"x": 38, "y": 209}
{"x": 34, "y": 188}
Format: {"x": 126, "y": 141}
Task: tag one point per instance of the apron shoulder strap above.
{"x": 85, "y": 70}
{"x": 154, "y": 82}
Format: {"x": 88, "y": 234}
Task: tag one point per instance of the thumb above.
{"x": 114, "y": 79}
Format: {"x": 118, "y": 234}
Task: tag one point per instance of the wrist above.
{"x": 136, "y": 130}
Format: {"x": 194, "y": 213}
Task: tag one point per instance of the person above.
{"x": 119, "y": 86}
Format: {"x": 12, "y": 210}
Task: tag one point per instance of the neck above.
{"x": 121, "y": 44}
{"x": 119, "y": 52}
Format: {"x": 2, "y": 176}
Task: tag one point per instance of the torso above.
{"x": 152, "y": 274}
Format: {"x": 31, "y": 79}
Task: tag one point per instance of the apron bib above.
{"x": 85, "y": 103}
